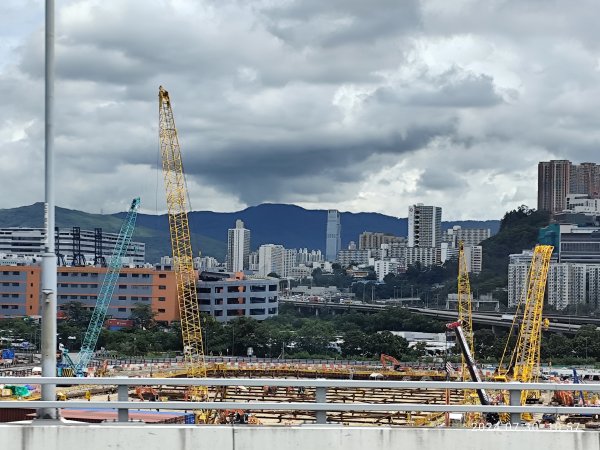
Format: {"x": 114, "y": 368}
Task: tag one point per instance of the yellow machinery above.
{"x": 465, "y": 318}
{"x": 524, "y": 364}
{"x": 189, "y": 308}
{"x": 464, "y": 305}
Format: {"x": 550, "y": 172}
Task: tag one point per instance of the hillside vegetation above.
{"x": 518, "y": 231}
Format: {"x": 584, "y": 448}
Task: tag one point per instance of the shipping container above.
{"x": 117, "y": 324}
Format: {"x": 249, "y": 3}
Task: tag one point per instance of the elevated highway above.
{"x": 558, "y": 324}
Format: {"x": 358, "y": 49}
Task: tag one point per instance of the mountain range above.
{"x": 289, "y": 225}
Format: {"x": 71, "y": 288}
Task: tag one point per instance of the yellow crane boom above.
{"x": 524, "y": 361}
{"x": 465, "y": 318}
{"x": 526, "y": 357}
{"x": 465, "y": 315}
{"x": 185, "y": 276}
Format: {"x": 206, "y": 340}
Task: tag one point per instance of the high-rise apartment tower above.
{"x": 334, "y": 235}
{"x": 558, "y": 178}
{"x": 238, "y": 247}
{"x": 424, "y": 226}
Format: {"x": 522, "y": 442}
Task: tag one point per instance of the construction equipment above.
{"x": 99, "y": 259}
{"x": 387, "y": 359}
{"x": 465, "y": 317}
{"x": 524, "y": 361}
{"x": 185, "y": 276}
{"x": 473, "y": 369}
{"x": 78, "y": 257}
{"x": 60, "y": 257}
{"x": 106, "y": 290}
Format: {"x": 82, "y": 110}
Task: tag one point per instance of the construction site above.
{"x": 520, "y": 362}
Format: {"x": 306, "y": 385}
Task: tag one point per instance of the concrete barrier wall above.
{"x": 181, "y": 437}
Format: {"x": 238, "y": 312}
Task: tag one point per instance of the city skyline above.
{"x": 445, "y": 103}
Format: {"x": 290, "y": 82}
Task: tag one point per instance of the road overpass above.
{"x": 562, "y": 325}
{"x": 558, "y": 324}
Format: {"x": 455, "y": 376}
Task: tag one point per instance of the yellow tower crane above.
{"x": 465, "y": 318}
{"x": 185, "y": 276}
{"x": 524, "y": 361}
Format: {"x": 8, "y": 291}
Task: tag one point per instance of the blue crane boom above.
{"x": 107, "y": 289}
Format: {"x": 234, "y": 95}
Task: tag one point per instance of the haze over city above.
{"x": 339, "y": 104}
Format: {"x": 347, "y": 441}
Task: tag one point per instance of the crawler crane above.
{"x": 185, "y": 276}
{"x": 465, "y": 318}
{"x": 524, "y": 363}
{"x": 473, "y": 369}
{"x": 68, "y": 367}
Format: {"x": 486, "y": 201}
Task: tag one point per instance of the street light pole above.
{"x": 48, "y": 306}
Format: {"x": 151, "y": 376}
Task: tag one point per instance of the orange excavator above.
{"x": 145, "y": 393}
{"x": 387, "y": 359}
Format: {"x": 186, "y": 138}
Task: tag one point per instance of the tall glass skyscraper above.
{"x": 334, "y": 235}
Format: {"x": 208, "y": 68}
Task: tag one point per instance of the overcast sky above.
{"x": 349, "y": 104}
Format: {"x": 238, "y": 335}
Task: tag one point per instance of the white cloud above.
{"x": 348, "y": 104}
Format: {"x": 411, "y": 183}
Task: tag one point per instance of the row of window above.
{"x": 94, "y": 297}
{"x": 240, "y": 312}
{"x": 7, "y": 272}
{"x": 95, "y": 285}
{"x": 238, "y": 288}
{"x": 81, "y": 274}
{"x": 95, "y": 274}
{"x": 9, "y": 306}
{"x": 160, "y": 310}
{"x": 134, "y": 298}
{"x": 238, "y": 300}
{"x": 77, "y": 297}
{"x": 10, "y": 295}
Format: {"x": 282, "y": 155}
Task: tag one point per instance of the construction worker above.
{"x": 88, "y": 396}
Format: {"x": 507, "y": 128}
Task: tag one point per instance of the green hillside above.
{"x": 157, "y": 241}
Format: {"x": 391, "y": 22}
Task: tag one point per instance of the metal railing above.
{"x": 320, "y": 406}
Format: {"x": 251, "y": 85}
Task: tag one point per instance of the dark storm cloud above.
{"x": 268, "y": 168}
{"x": 338, "y": 102}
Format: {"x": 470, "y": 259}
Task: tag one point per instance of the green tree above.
{"x": 314, "y": 337}
{"x": 354, "y": 343}
{"x": 143, "y": 316}
{"x": 77, "y": 314}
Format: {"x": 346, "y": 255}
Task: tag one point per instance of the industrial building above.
{"x": 86, "y": 246}
{"x": 573, "y": 243}
{"x": 20, "y": 290}
{"x": 228, "y": 296}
